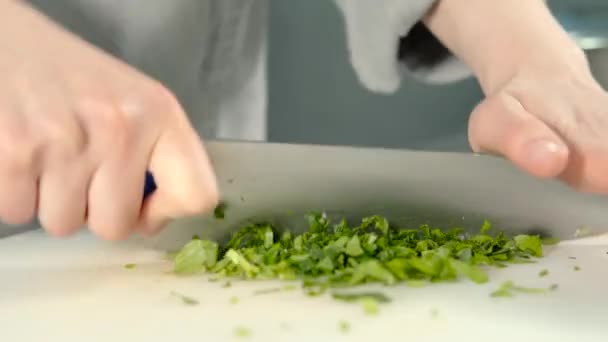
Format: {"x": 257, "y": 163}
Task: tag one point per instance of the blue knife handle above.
{"x": 149, "y": 185}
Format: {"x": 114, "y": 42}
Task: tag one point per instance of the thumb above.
{"x": 185, "y": 182}
{"x": 501, "y": 125}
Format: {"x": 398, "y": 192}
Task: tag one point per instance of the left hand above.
{"x": 551, "y": 121}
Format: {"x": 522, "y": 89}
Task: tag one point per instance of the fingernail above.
{"x": 545, "y": 154}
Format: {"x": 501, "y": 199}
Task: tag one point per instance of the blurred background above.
{"x": 314, "y": 96}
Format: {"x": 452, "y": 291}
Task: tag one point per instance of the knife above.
{"x": 279, "y": 183}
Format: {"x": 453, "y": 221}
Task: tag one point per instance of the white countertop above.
{"x": 77, "y": 289}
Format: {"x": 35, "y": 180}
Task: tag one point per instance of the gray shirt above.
{"x": 212, "y": 53}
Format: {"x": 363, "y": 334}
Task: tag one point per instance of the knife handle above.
{"x": 149, "y": 185}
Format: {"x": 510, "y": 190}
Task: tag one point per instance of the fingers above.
{"x": 115, "y": 190}
{"x": 18, "y": 195}
{"x": 19, "y": 152}
{"x": 186, "y": 184}
{"x": 501, "y": 125}
{"x": 588, "y": 167}
{"x": 115, "y": 199}
{"x": 62, "y": 200}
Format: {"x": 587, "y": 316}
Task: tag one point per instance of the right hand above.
{"x": 79, "y": 129}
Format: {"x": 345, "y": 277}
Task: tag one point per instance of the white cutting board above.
{"x": 78, "y": 290}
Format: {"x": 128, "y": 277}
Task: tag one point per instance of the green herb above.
{"x": 234, "y": 300}
{"x": 185, "y": 299}
{"x": 572, "y": 258}
{"x": 353, "y": 297}
{"x": 197, "y": 255}
{"x": 220, "y": 211}
{"x": 531, "y": 244}
{"x": 472, "y": 272}
{"x": 543, "y": 273}
{"x": 242, "y": 332}
{"x": 285, "y": 288}
{"x": 550, "y": 241}
{"x": 577, "y": 268}
{"x": 370, "y": 306}
{"x": 337, "y": 254}
{"x": 507, "y": 289}
{"x": 130, "y": 266}
{"x": 344, "y": 326}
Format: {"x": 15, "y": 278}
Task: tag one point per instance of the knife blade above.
{"x": 279, "y": 183}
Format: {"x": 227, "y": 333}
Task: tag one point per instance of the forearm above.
{"x": 495, "y": 37}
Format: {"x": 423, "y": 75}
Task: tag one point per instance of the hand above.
{"x": 550, "y": 122}
{"x": 79, "y": 129}
{"x": 544, "y": 110}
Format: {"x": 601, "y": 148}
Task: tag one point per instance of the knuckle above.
{"x": 162, "y": 100}
{"x": 110, "y": 122}
{"x": 65, "y": 136}
{"x": 19, "y": 150}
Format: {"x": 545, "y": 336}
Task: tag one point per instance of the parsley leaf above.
{"x": 531, "y": 244}
{"x": 341, "y": 254}
{"x": 196, "y": 256}
{"x": 220, "y": 211}
{"x": 185, "y": 299}
{"x": 242, "y": 332}
{"x": 370, "y": 306}
{"x": 507, "y": 289}
{"x": 344, "y": 326}
{"x": 353, "y": 297}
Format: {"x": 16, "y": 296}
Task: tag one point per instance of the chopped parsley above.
{"x": 242, "y": 332}
{"x": 550, "y": 241}
{"x": 185, "y": 299}
{"x": 220, "y": 211}
{"x": 508, "y": 288}
{"x": 197, "y": 255}
{"x": 577, "y": 268}
{"x": 129, "y": 266}
{"x": 370, "y": 306}
{"x": 344, "y": 326}
{"x": 543, "y": 273}
{"x": 336, "y": 254}
{"x": 352, "y": 297}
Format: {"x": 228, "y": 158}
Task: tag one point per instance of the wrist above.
{"x": 496, "y": 39}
